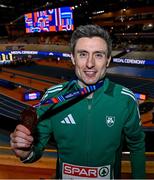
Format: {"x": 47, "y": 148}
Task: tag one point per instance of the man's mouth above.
{"x": 90, "y": 73}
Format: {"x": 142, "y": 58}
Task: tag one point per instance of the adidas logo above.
{"x": 68, "y": 120}
{"x": 127, "y": 92}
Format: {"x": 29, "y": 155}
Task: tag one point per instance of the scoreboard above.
{"x": 58, "y": 19}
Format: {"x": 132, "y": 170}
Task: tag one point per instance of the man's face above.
{"x": 90, "y": 60}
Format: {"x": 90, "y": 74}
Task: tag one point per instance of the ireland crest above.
{"x": 110, "y": 120}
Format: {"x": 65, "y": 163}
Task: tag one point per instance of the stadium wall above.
{"x": 34, "y": 47}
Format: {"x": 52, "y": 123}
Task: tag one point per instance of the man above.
{"x": 90, "y": 127}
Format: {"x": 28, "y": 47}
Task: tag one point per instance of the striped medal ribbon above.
{"x": 29, "y": 116}
{"x": 71, "y": 95}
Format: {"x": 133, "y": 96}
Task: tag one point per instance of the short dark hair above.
{"x": 91, "y": 31}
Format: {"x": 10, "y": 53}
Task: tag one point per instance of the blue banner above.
{"x": 133, "y": 61}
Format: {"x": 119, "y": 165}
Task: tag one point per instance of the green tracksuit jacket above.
{"x": 89, "y": 132}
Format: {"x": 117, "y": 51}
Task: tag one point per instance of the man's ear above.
{"x": 108, "y": 61}
{"x": 72, "y": 59}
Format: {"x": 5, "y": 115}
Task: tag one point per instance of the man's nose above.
{"x": 90, "y": 61}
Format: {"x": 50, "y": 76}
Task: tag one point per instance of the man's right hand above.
{"x": 21, "y": 141}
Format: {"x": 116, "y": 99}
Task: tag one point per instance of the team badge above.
{"x": 110, "y": 120}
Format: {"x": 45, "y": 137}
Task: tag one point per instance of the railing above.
{"x": 46, "y": 166}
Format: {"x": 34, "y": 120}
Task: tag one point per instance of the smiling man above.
{"x": 90, "y": 118}
{"x": 90, "y": 60}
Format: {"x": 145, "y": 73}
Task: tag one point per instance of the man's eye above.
{"x": 82, "y": 54}
{"x": 99, "y": 55}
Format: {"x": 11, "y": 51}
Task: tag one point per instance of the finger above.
{"x": 21, "y": 140}
{"x": 20, "y": 134}
{"x": 18, "y": 145}
{"x": 24, "y": 136}
{"x": 21, "y": 153}
{"x": 23, "y": 128}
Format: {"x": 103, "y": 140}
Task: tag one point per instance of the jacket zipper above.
{"x": 88, "y": 128}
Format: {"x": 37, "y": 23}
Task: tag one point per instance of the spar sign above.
{"x": 74, "y": 171}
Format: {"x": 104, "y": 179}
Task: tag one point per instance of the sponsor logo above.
{"x": 68, "y": 120}
{"x": 110, "y": 120}
{"x": 104, "y": 171}
{"x": 73, "y": 171}
{"x": 127, "y": 92}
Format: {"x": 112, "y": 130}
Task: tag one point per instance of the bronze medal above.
{"x": 29, "y": 118}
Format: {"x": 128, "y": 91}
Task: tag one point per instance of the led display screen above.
{"x": 140, "y": 96}
{"x": 58, "y": 19}
{"x": 29, "y": 96}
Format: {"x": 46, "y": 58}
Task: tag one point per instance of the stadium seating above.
{"x": 10, "y": 107}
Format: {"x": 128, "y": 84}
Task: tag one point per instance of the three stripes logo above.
{"x": 53, "y": 89}
{"x": 127, "y": 92}
{"x": 68, "y": 120}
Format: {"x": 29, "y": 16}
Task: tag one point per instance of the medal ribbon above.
{"x": 80, "y": 92}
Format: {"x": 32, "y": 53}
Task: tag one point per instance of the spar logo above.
{"x": 70, "y": 171}
{"x": 104, "y": 171}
